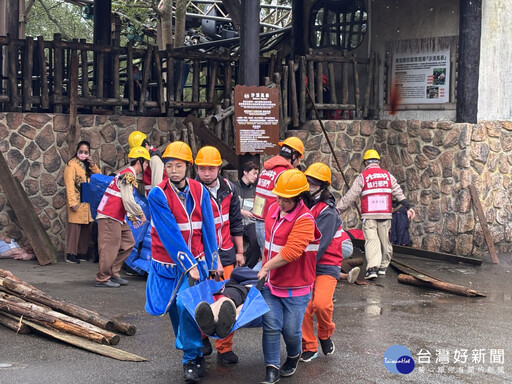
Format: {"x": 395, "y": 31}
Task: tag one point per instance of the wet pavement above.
{"x": 452, "y": 339}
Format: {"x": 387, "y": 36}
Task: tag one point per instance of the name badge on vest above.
{"x": 102, "y": 203}
{"x": 377, "y": 203}
{"x": 259, "y": 204}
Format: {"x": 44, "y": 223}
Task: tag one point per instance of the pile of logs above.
{"x": 24, "y": 308}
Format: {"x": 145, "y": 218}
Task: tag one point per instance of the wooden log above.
{"x": 117, "y": 85}
{"x": 376, "y": 86}
{"x": 33, "y": 294}
{"x": 285, "y": 92}
{"x": 74, "y": 129}
{"x": 27, "y": 73}
{"x": 44, "y": 249}
{"x": 100, "y": 75}
{"x": 16, "y": 326}
{"x": 192, "y": 137}
{"x": 179, "y": 82}
{"x": 104, "y": 350}
{"x": 85, "y": 71}
{"x": 124, "y": 328}
{"x": 195, "y": 81}
{"x": 293, "y": 92}
{"x": 129, "y": 81}
{"x": 282, "y": 127}
{"x": 333, "y": 59}
{"x": 57, "y": 320}
{"x": 354, "y": 262}
{"x": 57, "y": 72}
{"x": 440, "y": 285}
{"x": 302, "y": 90}
{"x": 159, "y": 80}
{"x": 344, "y": 84}
{"x": 218, "y": 126}
{"x": 357, "y": 95}
{"x": 228, "y": 78}
{"x": 13, "y": 74}
{"x": 483, "y": 223}
{"x": 45, "y": 97}
{"x": 332, "y": 83}
{"x": 145, "y": 78}
{"x": 366, "y": 107}
{"x": 212, "y": 82}
{"x": 334, "y": 106}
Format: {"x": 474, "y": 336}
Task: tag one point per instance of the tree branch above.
{"x": 53, "y": 20}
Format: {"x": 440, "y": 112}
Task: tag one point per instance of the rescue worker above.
{"x": 376, "y": 187}
{"x": 115, "y": 239}
{"x": 154, "y": 174}
{"x": 183, "y": 249}
{"x": 228, "y": 224}
{"x": 292, "y": 150}
{"x": 291, "y": 240}
{"x": 328, "y": 263}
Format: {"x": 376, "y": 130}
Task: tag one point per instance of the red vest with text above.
{"x": 263, "y": 196}
{"x": 299, "y": 273}
{"x": 376, "y": 193}
{"x": 146, "y": 177}
{"x": 111, "y": 204}
{"x": 221, "y": 218}
{"x": 333, "y": 254}
{"x": 189, "y": 225}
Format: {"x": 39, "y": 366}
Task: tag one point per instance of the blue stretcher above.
{"x": 253, "y": 308}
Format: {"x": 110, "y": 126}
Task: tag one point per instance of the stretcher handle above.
{"x": 260, "y": 284}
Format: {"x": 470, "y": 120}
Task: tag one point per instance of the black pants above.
{"x": 253, "y": 254}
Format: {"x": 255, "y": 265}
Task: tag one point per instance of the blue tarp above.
{"x": 250, "y": 315}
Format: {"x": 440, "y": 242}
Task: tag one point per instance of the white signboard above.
{"x": 422, "y": 77}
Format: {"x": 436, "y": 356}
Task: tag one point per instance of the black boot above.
{"x": 201, "y": 366}
{"x": 272, "y": 376}
{"x": 204, "y": 318}
{"x": 290, "y": 366}
{"x": 190, "y": 374}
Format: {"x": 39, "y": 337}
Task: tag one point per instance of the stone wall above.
{"x": 35, "y": 148}
{"x": 435, "y": 162}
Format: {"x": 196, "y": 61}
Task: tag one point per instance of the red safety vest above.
{"x": 263, "y": 196}
{"x": 333, "y": 254}
{"x": 146, "y": 177}
{"x": 299, "y": 273}
{"x": 221, "y": 218}
{"x": 111, "y": 204}
{"x": 376, "y": 193}
{"x": 190, "y": 225}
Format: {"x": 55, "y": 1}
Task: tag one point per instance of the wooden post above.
{"x": 100, "y": 74}
{"x": 73, "y": 135}
{"x": 357, "y": 96}
{"x": 145, "y": 78}
{"x": 45, "y": 98}
{"x": 212, "y": 82}
{"x": 179, "y": 82}
{"x": 24, "y": 211}
{"x": 159, "y": 80}
{"x": 27, "y": 73}
{"x": 440, "y": 285}
{"x": 192, "y": 137}
{"x": 170, "y": 80}
{"x": 311, "y": 81}
{"x": 470, "y": 32}
{"x": 285, "y": 92}
{"x": 13, "y": 73}
{"x": 117, "y": 85}
{"x": 195, "y": 81}
{"x": 302, "y": 87}
{"x": 366, "y": 107}
{"x": 85, "y": 71}
{"x": 483, "y": 224}
{"x": 376, "y": 86}
{"x": 319, "y": 85}
{"x": 332, "y": 84}
{"x": 57, "y": 74}
{"x": 129, "y": 78}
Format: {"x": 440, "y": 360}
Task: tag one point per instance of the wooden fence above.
{"x": 57, "y": 76}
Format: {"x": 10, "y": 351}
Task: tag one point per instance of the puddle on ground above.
{"x": 5, "y": 366}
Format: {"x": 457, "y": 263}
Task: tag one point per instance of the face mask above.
{"x": 82, "y": 156}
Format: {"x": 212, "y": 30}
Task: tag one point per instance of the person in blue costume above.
{"x": 183, "y": 251}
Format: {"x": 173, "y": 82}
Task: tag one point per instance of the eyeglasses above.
{"x": 175, "y": 167}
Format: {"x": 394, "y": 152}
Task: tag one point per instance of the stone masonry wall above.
{"x": 35, "y": 148}
{"x": 434, "y": 162}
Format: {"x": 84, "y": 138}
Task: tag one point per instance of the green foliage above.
{"x": 64, "y": 18}
{"x": 138, "y": 20}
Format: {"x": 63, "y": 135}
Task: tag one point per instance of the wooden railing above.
{"x": 58, "y": 76}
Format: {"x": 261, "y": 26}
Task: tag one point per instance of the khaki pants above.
{"x": 377, "y": 247}
{"x": 115, "y": 242}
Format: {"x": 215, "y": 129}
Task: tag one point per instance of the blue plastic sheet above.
{"x": 250, "y": 315}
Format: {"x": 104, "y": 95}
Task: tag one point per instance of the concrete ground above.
{"x": 452, "y": 339}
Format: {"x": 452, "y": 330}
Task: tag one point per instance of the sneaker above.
{"x": 272, "y": 375}
{"x": 82, "y": 257}
{"x": 207, "y": 347}
{"x": 307, "y": 356}
{"x": 353, "y": 274}
{"x": 371, "y": 274}
{"x": 229, "y": 357}
{"x": 204, "y": 318}
{"x": 130, "y": 271}
{"x": 72, "y": 259}
{"x": 108, "y": 284}
{"x": 201, "y": 366}
{"x": 119, "y": 280}
{"x": 226, "y": 318}
{"x": 381, "y": 272}
{"x": 328, "y": 347}
{"x": 190, "y": 374}
{"x": 290, "y": 366}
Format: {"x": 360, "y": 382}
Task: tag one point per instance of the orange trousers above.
{"x": 226, "y": 344}
{"x": 320, "y": 305}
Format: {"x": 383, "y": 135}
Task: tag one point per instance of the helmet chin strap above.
{"x": 176, "y": 183}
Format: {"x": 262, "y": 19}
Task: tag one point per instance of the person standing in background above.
{"x": 78, "y": 170}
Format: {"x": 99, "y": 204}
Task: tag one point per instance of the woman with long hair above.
{"x": 78, "y": 170}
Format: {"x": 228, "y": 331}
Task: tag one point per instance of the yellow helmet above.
{"x": 137, "y": 152}
{"x": 295, "y": 143}
{"x": 208, "y": 156}
{"x": 291, "y": 183}
{"x": 319, "y": 171}
{"x": 371, "y": 154}
{"x": 178, "y": 150}
{"x": 135, "y": 139}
